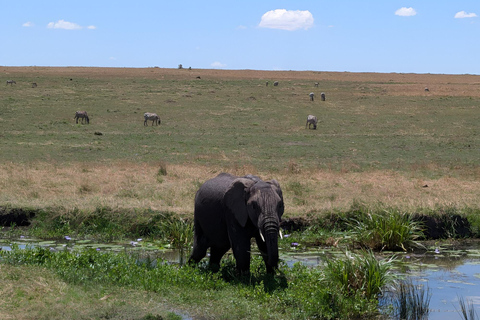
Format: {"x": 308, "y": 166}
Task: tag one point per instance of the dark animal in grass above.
{"x": 81, "y": 115}
{"x": 231, "y": 210}
{"x": 152, "y": 117}
{"x": 311, "y": 119}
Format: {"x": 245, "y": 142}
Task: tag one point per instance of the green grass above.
{"x": 300, "y": 292}
{"x": 234, "y": 122}
{"x": 385, "y": 229}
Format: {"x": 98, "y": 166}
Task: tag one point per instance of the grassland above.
{"x": 382, "y": 141}
{"x": 381, "y": 138}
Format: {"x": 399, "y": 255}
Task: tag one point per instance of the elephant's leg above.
{"x": 216, "y": 254}
{"x": 200, "y": 245}
{"x": 241, "y": 252}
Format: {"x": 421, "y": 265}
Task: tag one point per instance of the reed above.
{"x": 359, "y": 273}
{"x": 410, "y": 302}
{"x": 178, "y": 231}
{"x": 385, "y": 229}
{"x": 467, "y": 309}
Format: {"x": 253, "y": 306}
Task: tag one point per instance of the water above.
{"x": 450, "y": 271}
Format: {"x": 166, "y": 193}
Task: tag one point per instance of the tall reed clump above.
{"x": 178, "y": 231}
{"x": 386, "y": 229}
{"x": 409, "y": 301}
{"x": 359, "y": 273}
{"x": 467, "y": 309}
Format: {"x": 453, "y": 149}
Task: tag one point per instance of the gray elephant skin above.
{"x": 231, "y": 210}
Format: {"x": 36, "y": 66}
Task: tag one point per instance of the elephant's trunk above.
{"x": 270, "y": 229}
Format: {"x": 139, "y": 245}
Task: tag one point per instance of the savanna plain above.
{"x": 382, "y": 141}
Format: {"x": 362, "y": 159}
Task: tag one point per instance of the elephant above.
{"x": 231, "y": 210}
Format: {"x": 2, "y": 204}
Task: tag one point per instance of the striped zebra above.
{"x": 81, "y": 115}
{"x": 311, "y": 120}
{"x": 151, "y": 116}
{"x": 11, "y": 82}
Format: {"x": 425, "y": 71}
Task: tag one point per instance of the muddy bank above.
{"x": 434, "y": 226}
{"x": 437, "y": 225}
{"x": 16, "y": 217}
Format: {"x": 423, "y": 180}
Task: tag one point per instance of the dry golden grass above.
{"x": 127, "y": 185}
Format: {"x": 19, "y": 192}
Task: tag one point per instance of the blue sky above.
{"x": 423, "y": 36}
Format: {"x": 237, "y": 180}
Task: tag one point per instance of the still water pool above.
{"x": 449, "y": 271}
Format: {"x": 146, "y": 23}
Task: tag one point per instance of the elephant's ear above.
{"x": 236, "y": 199}
{"x": 276, "y": 186}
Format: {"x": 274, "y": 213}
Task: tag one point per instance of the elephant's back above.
{"x": 210, "y": 195}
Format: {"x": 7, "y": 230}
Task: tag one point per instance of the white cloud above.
{"x": 463, "y": 14}
{"x": 405, "y": 12}
{"x": 28, "y": 24}
{"x": 287, "y": 20}
{"x": 62, "y": 24}
{"x": 217, "y": 64}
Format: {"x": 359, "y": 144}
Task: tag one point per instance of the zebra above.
{"x": 311, "y": 96}
{"x": 82, "y": 115}
{"x": 311, "y": 119}
{"x": 151, "y": 116}
{"x": 11, "y": 82}
{"x": 322, "y": 96}
{"x": 275, "y": 83}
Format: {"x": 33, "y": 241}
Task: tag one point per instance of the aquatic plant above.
{"x": 467, "y": 309}
{"x": 178, "y": 231}
{"x": 409, "y": 301}
{"x": 386, "y": 229}
{"x": 359, "y": 273}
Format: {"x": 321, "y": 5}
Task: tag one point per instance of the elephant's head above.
{"x": 261, "y": 203}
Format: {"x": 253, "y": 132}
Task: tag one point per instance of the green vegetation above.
{"x": 410, "y": 301}
{"x": 298, "y": 292}
{"x": 385, "y": 229}
{"x": 388, "y": 165}
{"x": 467, "y": 309}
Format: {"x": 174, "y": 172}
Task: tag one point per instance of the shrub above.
{"x": 388, "y": 229}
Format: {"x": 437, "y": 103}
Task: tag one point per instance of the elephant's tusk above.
{"x": 280, "y": 232}
{"x": 261, "y": 235}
